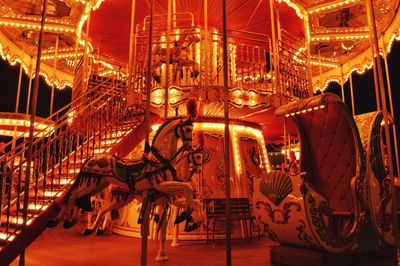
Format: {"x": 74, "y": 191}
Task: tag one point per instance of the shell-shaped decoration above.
{"x": 276, "y": 185}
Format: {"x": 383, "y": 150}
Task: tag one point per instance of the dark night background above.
{"x": 364, "y": 93}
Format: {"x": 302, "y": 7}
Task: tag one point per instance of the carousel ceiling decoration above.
{"x": 339, "y": 32}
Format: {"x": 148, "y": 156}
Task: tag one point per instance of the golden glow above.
{"x": 155, "y": 127}
{"x": 236, "y": 131}
{"x": 37, "y": 206}
{"x": 52, "y": 193}
{"x": 324, "y": 64}
{"x": 305, "y": 110}
{"x": 338, "y": 37}
{"x": 24, "y": 123}
{"x": 14, "y": 220}
{"x": 34, "y": 24}
{"x": 44, "y": 129}
{"x": 5, "y": 54}
{"x": 232, "y": 51}
{"x": 296, "y": 8}
{"x": 4, "y": 236}
{"x": 330, "y": 6}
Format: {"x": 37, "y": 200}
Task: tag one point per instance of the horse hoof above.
{"x": 87, "y": 231}
{"x": 52, "y": 223}
{"x": 161, "y": 256}
{"x": 156, "y": 218}
{"x": 100, "y": 232}
{"x": 69, "y": 224}
{"x": 180, "y": 218}
{"x": 157, "y": 79}
{"x": 176, "y": 244}
{"x": 185, "y": 216}
{"x": 190, "y": 228}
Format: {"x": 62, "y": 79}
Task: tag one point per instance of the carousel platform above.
{"x": 58, "y": 246}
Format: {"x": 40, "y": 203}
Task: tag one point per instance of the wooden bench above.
{"x": 216, "y": 211}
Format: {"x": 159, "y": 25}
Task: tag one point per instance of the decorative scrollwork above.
{"x": 271, "y": 234}
{"x": 384, "y": 219}
{"x": 325, "y": 234}
{"x": 284, "y": 213}
{"x": 302, "y": 235}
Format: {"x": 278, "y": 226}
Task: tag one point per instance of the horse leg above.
{"x": 182, "y": 189}
{"x": 66, "y": 205}
{"x": 74, "y": 218}
{"x": 194, "y": 221}
{"x": 78, "y": 191}
{"x": 162, "y": 236}
{"x": 195, "y": 71}
{"x": 175, "y": 239}
{"x": 115, "y": 205}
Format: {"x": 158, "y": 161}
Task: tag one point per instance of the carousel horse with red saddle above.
{"x": 187, "y": 164}
{"x": 98, "y": 172}
{"x": 179, "y": 56}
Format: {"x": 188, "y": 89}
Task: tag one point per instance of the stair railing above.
{"x": 81, "y": 129}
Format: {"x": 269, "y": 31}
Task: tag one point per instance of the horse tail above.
{"x": 75, "y": 185}
{"x": 84, "y": 203}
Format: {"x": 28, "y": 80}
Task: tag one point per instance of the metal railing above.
{"x": 86, "y": 126}
{"x": 293, "y": 79}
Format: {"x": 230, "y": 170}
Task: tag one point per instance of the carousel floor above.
{"x": 59, "y": 247}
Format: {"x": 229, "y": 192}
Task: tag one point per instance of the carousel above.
{"x": 192, "y": 119}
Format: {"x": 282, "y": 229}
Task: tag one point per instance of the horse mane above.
{"x": 164, "y": 125}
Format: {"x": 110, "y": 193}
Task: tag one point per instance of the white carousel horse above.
{"x": 179, "y": 56}
{"x": 99, "y": 172}
{"x": 118, "y": 197}
{"x": 187, "y": 163}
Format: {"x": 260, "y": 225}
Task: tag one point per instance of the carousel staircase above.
{"x": 93, "y": 123}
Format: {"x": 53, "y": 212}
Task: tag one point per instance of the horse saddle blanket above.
{"x": 108, "y": 165}
{"x": 130, "y": 171}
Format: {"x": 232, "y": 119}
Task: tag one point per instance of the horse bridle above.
{"x": 180, "y": 129}
{"x": 190, "y": 159}
{"x": 185, "y": 146}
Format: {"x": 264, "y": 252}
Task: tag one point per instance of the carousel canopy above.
{"x": 338, "y": 29}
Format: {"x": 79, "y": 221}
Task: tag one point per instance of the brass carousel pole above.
{"x": 30, "y": 147}
{"x": 174, "y": 12}
{"x": 28, "y": 99}
{"x": 275, "y": 60}
{"x": 168, "y": 58}
{"x": 17, "y": 101}
{"x": 352, "y": 94}
{"x": 145, "y": 223}
{"x": 54, "y": 67}
{"x": 131, "y": 47}
{"x": 372, "y": 26}
{"x": 85, "y": 54}
{"x": 396, "y": 149}
{"x": 308, "y": 54}
{"x": 207, "y": 61}
{"x": 226, "y": 139}
{"x": 342, "y": 84}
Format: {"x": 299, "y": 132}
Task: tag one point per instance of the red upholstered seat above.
{"x": 331, "y": 160}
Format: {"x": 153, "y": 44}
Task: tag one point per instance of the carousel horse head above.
{"x": 187, "y": 164}
{"x": 165, "y": 141}
{"x": 184, "y": 131}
